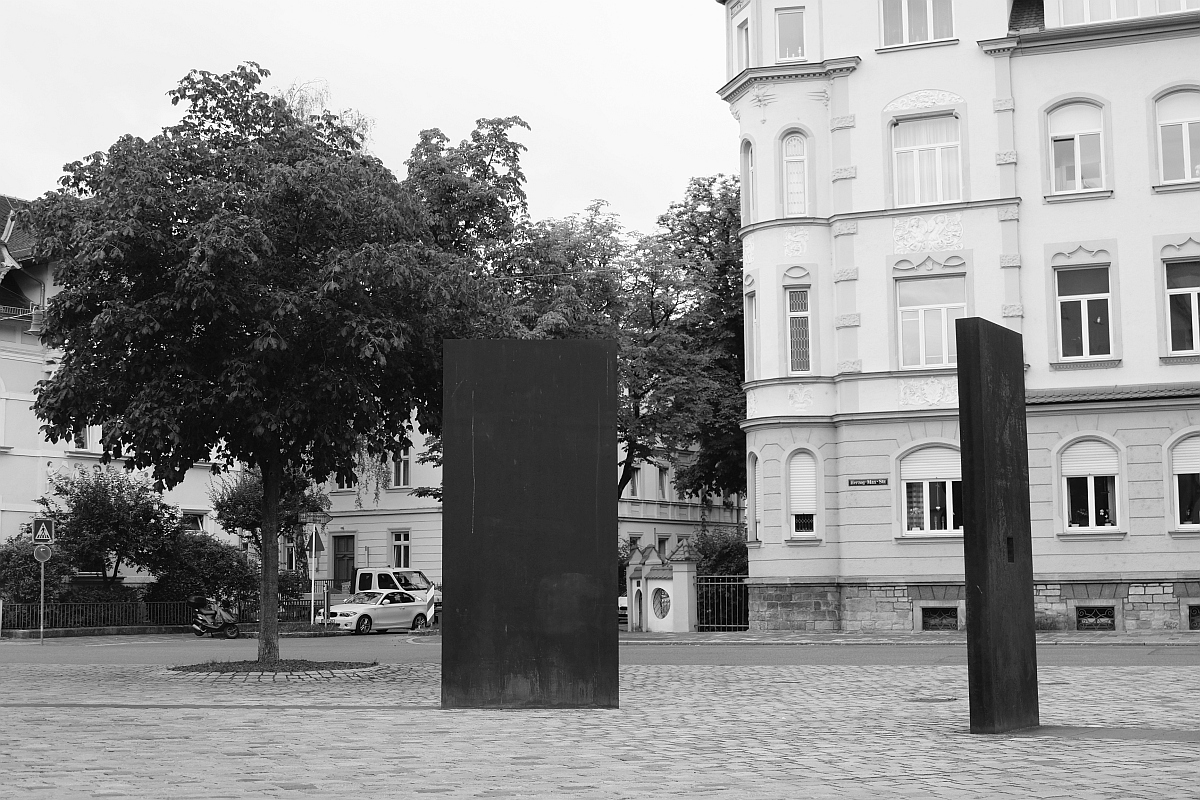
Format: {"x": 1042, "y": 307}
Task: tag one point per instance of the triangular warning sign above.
{"x": 318, "y": 545}
{"x": 43, "y": 531}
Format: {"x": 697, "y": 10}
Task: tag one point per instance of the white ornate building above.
{"x": 909, "y": 162}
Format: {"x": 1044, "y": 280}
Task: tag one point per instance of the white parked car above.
{"x": 378, "y": 611}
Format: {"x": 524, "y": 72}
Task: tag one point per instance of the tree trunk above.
{"x": 268, "y": 592}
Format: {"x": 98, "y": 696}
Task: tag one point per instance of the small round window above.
{"x": 662, "y": 603}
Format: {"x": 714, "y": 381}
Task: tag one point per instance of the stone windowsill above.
{"x": 898, "y": 48}
{"x": 1181, "y": 359}
{"x": 1101, "y": 534}
{"x": 1172, "y": 188}
{"x": 754, "y": 544}
{"x": 1096, "y": 363}
{"x": 803, "y": 541}
{"x": 929, "y": 538}
{"x": 81, "y": 453}
{"x": 4, "y": 448}
{"x": 1073, "y": 197}
{"x": 1192, "y": 532}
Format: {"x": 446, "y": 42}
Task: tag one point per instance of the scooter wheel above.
{"x": 232, "y": 632}
{"x": 198, "y": 633}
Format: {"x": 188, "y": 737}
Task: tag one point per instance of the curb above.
{"x": 56, "y": 633}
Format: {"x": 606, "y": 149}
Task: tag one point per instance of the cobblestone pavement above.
{"x": 682, "y": 731}
{"x": 1156, "y": 638}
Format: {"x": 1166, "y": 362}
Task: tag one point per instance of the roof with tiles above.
{"x": 1027, "y": 14}
{"x": 1101, "y": 393}
{"x": 20, "y": 242}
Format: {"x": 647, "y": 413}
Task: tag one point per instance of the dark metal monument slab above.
{"x": 1001, "y": 649}
{"x": 529, "y": 546}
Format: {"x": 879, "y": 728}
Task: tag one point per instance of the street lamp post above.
{"x": 314, "y": 518}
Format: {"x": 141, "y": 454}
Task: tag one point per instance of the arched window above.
{"x": 756, "y": 498}
{"x": 932, "y": 490}
{"x": 795, "y": 176}
{"x": 1179, "y": 136}
{"x": 1076, "y": 153}
{"x": 748, "y": 183}
{"x": 802, "y": 493}
{"x": 1185, "y": 469}
{"x": 1089, "y": 472}
{"x": 926, "y": 161}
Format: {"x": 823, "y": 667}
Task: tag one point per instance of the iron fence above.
{"x": 722, "y": 603}
{"x": 25, "y": 616}
{"x": 289, "y": 611}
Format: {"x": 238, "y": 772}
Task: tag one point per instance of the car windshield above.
{"x": 364, "y": 598}
{"x": 413, "y": 580}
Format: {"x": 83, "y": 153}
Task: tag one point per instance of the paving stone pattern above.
{"x": 691, "y": 731}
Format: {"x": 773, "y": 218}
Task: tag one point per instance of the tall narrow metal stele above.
{"x": 998, "y": 552}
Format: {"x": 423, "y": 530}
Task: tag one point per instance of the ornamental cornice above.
{"x": 1135, "y": 30}
{"x": 878, "y": 213}
{"x": 813, "y": 71}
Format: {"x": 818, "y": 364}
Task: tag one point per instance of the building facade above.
{"x": 906, "y": 163}
{"x": 27, "y": 460}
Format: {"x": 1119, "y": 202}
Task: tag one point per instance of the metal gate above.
{"x": 722, "y": 603}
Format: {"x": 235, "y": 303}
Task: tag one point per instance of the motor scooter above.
{"x": 213, "y": 618}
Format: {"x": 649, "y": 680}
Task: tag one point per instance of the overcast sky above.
{"x": 620, "y": 96}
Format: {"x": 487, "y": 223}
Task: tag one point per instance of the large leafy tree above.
{"x": 701, "y": 231}
{"x": 248, "y": 281}
{"x": 238, "y": 501}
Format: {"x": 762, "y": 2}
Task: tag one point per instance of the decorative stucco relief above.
{"x": 751, "y": 405}
{"x": 841, "y": 123}
{"x": 1012, "y": 310}
{"x": 850, "y": 366}
{"x": 760, "y": 98}
{"x": 795, "y": 244}
{"x": 845, "y": 173}
{"x": 1003, "y": 104}
{"x": 795, "y": 272}
{"x": 734, "y": 8}
{"x": 748, "y": 281}
{"x": 847, "y": 320}
{"x": 1010, "y": 259}
{"x": 927, "y": 234}
{"x": 1188, "y": 247}
{"x": 1006, "y": 157}
{"x": 925, "y": 98}
{"x": 736, "y": 114}
{"x": 930, "y": 263}
{"x": 1080, "y": 255}
{"x": 845, "y": 274}
{"x": 748, "y": 252}
{"x": 1007, "y": 213}
{"x": 800, "y": 399}
{"x": 929, "y": 392}
{"x": 845, "y": 228}
{"x": 821, "y": 96}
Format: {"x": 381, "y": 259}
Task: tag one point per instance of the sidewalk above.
{"x": 845, "y": 732}
{"x": 910, "y": 638}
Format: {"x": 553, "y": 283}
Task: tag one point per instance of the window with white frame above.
{"x": 1175, "y": 6}
{"x": 1081, "y": 12}
{"x": 751, "y": 336}
{"x": 799, "y": 331}
{"x": 663, "y": 483}
{"x": 932, "y": 484}
{"x": 914, "y": 21}
{"x": 1185, "y": 467}
{"x": 192, "y": 521}
{"x": 802, "y": 493}
{"x": 795, "y": 175}
{"x": 928, "y": 309}
{"x": 1083, "y": 312}
{"x": 1183, "y": 306}
{"x": 1089, "y": 473}
{"x": 1076, "y": 153}
{"x": 789, "y": 34}
{"x": 749, "y": 184}
{"x": 1179, "y": 136}
{"x": 635, "y": 478}
{"x": 743, "y": 45}
{"x": 401, "y": 549}
{"x": 927, "y": 163}
{"x": 345, "y": 483}
{"x": 400, "y": 470}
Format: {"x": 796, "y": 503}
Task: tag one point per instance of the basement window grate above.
{"x": 1095, "y": 618}
{"x": 1194, "y": 618}
{"x": 939, "y": 619}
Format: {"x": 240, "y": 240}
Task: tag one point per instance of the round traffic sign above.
{"x": 42, "y": 553}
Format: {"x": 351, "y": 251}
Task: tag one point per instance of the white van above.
{"x": 412, "y": 581}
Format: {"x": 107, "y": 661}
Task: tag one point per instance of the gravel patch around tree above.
{"x": 283, "y": 665}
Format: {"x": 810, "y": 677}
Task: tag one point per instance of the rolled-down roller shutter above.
{"x": 802, "y": 483}
{"x": 1185, "y": 458}
{"x": 758, "y": 492}
{"x": 1089, "y": 457}
{"x": 931, "y": 463}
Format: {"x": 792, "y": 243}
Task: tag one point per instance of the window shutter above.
{"x": 1185, "y": 458}
{"x": 1089, "y": 457}
{"x": 930, "y": 463}
{"x": 802, "y": 483}
{"x": 758, "y": 492}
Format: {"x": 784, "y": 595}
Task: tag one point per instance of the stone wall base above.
{"x": 1155, "y": 605}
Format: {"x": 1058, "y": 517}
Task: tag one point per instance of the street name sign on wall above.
{"x": 868, "y": 481}
{"x": 43, "y": 530}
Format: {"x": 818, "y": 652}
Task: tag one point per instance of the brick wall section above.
{"x": 791, "y": 607}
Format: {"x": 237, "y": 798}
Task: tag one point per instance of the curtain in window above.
{"x": 927, "y": 168}
{"x": 893, "y": 22}
{"x": 1179, "y": 131}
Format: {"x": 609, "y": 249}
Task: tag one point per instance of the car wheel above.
{"x": 232, "y": 632}
{"x": 419, "y": 622}
{"x": 363, "y": 625}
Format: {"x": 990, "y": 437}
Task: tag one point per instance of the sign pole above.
{"x": 42, "y": 609}
{"x": 312, "y": 574}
